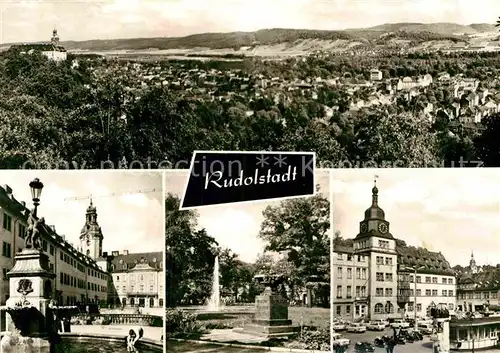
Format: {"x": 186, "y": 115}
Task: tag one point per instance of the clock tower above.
{"x": 376, "y": 246}
{"x": 91, "y": 235}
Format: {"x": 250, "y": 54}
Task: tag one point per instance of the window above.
{"x": 379, "y": 308}
{"x": 358, "y": 291}
{"x": 339, "y": 256}
{"x": 444, "y": 293}
{"x": 383, "y": 244}
{"x": 486, "y": 295}
{"x": 410, "y": 306}
{"x": 363, "y": 291}
{"x": 389, "y": 308}
{"x": 477, "y": 295}
{"x": 450, "y": 293}
{"x": 419, "y": 279}
{"x": 445, "y": 281}
{"x": 349, "y": 273}
{"x": 21, "y": 231}
{"x": 427, "y": 280}
{"x": 349, "y": 257}
{"x": 411, "y": 279}
{"x": 388, "y": 261}
{"x": 419, "y": 307}
{"x": 428, "y": 292}
{"x": 412, "y": 293}
{"x": 380, "y": 277}
{"x": 379, "y": 292}
{"x": 388, "y": 292}
{"x": 339, "y": 292}
{"x": 348, "y": 309}
{"x": 358, "y": 273}
{"x": 388, "y": 277}
{"x": 339, "y": 272}
{"x": 493, "y": 295}
{"x": 6, "y": 250}
{"x": 434, "y": 280}
{"x": 339, "y": 310}
{"x": 7, "y": 222}
{"x": 434, "y": 292}
{"x": 450, "y": 280}
{"x": 380, "y": 260}
{"x": 419, "y": 292}
{"x": 52, "y": 250}
{"x": 363, "y": 273}
{"x": 349, "y": 294}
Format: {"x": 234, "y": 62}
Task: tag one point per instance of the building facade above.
{"x": 478, "y": 288}
{"x": 372, "y": 277}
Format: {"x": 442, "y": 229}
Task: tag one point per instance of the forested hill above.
{"x": 379, "y": 35}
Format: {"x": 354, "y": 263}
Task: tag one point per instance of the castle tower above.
{"x": 91, "y": 235}
{"x": 472, "y": 263}
{"x": 55, "y": 38}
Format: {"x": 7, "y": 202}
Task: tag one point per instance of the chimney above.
{"x": 125, "y": 252}
{"x": 105, "y": 254}
{"x": 8, "y": 189}
{"x": 115, "y": 253}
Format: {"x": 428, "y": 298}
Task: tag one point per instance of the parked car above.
{"x": 338, "y": 339}
{"x": 400, "y": 324}
{"x": 375, "y": 326}
{"x": 355, "y": 327}
{"x": 339, "y": 326}
{"x": 426, "y": 329}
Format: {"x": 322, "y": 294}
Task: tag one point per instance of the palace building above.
{"x": 84, "y": 274}
{"x": 373, "y": 274}
{"x": 52, "y": 50}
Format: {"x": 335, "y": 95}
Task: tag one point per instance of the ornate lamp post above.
{"x": 36, "y": 187}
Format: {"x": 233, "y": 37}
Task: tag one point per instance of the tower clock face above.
{"x": 364, "y": 228}
{"x": 383, "y": 228}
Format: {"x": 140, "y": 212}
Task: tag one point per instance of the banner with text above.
{"x": 219, "y": 177}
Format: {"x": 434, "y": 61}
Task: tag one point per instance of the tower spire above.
{"x": 375, "y": 191}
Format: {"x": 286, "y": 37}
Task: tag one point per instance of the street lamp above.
{"x": 414, "y": 269}
{"x": 36, "y": 187}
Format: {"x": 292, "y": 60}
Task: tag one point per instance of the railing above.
{"x": 118, "y": 319}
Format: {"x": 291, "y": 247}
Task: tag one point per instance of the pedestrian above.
{"x": 391, "y": 344}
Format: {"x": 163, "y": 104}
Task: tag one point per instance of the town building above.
{"x": 52, "y": 50}
{"x": 375, "y": 75}
{"x": 478, "y": 288}
{"x": 372, "y": 276}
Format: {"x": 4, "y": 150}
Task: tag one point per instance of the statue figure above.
{"x": 33, "y": 233}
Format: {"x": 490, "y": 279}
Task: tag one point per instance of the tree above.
{"x": 487, "y": 143}
{"x": 299, "y": 228}
{"x": 190, "y": 256}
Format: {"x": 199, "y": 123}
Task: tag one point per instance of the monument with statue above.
{"x": 33, "y": 317}
{"x": 441, "y": 327}
{"x": 271, "y": 311}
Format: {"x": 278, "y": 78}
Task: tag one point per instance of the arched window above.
{"x": 160, "y": 303}
{"x": 132, "y": 301}
{"x": 379, "y": 308}
{"x": 389, "y": 308}
{"x": 124, "y": 301}
{"x": 151, "y": 302}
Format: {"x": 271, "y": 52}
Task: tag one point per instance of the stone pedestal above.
{"x": 443, "y": 336}
{"x": 29, "y": 317}
{"x": 271, "y": 317}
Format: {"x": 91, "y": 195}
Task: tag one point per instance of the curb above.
{"x": 143, "y": 340}
{"x": 239, "y": 345}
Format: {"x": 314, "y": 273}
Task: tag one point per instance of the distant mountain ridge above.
{"x": 389, "y": 33}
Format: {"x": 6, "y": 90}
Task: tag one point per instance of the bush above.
{"x": 180, "y": 323}
{"x": 312, "y": 339}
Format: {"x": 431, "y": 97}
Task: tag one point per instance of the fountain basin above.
{"x": 83, "y": 343}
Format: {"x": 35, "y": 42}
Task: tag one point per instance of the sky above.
{"x": 34, "y": 20}
{"x": 234, "y": 226}
{"x": 130, "y": 221}
{"x": 455, "y": 211}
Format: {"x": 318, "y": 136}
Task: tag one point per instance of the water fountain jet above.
{"x": 214, "y": 303}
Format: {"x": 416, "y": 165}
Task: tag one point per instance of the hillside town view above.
{"x": 400, "y": 95}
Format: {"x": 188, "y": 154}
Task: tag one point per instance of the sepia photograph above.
{"x": 82, "y": 262}
{"x": 415, "y": 260}
{"x": 142, "y": 84}
{"x": 253, "y": 274}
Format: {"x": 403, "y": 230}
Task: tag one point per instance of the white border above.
{"x": 246, "y": 202}
{"x": 164, "y": 316}
{"x": 332, "y": 234}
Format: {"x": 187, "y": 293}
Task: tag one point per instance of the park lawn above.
{"x": 189, "y": 347}
{"x": 318, "y": 317}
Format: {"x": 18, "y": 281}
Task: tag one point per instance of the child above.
{"x": 131, "y": 341}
